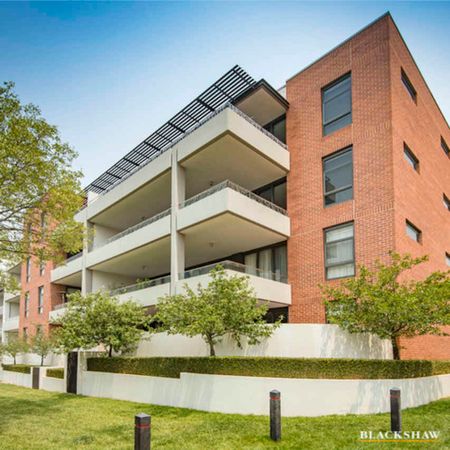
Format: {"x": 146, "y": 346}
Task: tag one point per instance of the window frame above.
{"x": 28, "y": 269}
{"x": 412, "y": 158}
{"x": 408, "y": 85}
{"x": 418, "y": 231}
{"x": 272, "y": 187}
{"x": 40, "y": 305}
{"x": 329, "y": 86}
{"x": 447, "y": 258}
{"x": 269, "y": 126}
{"x": 329, "y": 157}
{"x": 26, "y": 306}
{"x": 445, "y": 147}
{"x": 327, "y": 266}
{"x": 272, "y": 257}
{"x": 446, "y": 201}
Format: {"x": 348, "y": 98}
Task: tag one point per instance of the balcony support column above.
{"x": 86, "y": 274}
{"x": 177, "y": 255}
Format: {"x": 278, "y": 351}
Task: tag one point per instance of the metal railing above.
{"x": 194, "y": 128}
{"x": 229, "y": 184}
{"x": 236, "y": 267}
{"x": 141, "y": 285}
{"x": 71, "y": 258}
{"x": 138, "y": 226}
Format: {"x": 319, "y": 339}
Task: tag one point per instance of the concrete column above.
{"x": 86, "y": 274}
{"x": 177, "y": 256}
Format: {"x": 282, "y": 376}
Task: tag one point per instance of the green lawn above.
{"x": 31, "y": 419}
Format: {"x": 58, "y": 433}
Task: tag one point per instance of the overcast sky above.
{"x": 108, "y": 74}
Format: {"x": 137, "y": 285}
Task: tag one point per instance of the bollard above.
{"x": 35, "y": 377}
{"x": 275, "y": 415}
{"x": 142, "y": 424}
{"x": 396, "y": 412}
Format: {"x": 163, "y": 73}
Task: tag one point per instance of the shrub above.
{"x": 21, "y": 368}
{"x": 55, "y": 373}
{"x": 271, "y": 367}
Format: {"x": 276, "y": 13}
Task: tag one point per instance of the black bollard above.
{"x": 142, "y": 424}
{"x": 396, "y": 412}
{"x": 275, "y": 415}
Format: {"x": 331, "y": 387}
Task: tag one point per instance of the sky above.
{"x": 109, "y": 73}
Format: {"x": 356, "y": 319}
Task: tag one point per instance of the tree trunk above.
{"x": 395, "y": 348}
{"x": 110, "y": 351}
{"x": 42, "y": 360}
{"x": 14, "y": 358}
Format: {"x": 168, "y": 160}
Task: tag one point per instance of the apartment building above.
{"x": 10, "y": 309}
{"x": 294, "y": 187}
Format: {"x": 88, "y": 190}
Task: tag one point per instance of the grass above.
{"x": 32, "y": 419}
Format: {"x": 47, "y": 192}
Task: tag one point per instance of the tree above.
{"x": 15, "y": 346}
{"x": 377, "y": 302}
{"x": 39, "y": 191}
{"x": 97, "y": 319}
{"x": 43, "y": 345}
{"x": 226, "y": 306}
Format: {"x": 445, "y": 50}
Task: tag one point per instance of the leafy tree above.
{"x": 15, "y": 347}
{"x": 43, "y": 345}
{"x": 377, "y": 302}
{"x": 226, "y": 306}
{"x": 39, "y": 191}
{"x": 97, "y": 319}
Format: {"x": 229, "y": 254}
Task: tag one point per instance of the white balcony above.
{"x": 68, "y": 272}
{"x": 138, "y": 236}
{"x": 267, "y": 286}
{"x": 11, "y": 324}
{"x": 57, "y": 311}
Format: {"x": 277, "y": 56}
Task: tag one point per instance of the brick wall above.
{"x": 52, "y": 297}
{"x": 366, "y": 57}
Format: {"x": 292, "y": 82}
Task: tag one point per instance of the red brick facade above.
{"x": 387, "y": 191}
{"x": 52, "y": 296}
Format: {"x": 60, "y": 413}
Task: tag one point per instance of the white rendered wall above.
{"x": 290, "y": 340}
{"x": 19, "y": 379}
{"x": 108, "y": 281}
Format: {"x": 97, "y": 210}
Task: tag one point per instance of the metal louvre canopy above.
{"x": 226, "y": 89}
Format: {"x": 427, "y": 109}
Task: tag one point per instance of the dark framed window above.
{"x": 445, "y": 147}
{"x": 274, "y": 192}
{"x": 413, "y": 232}
{"x": 278, "y": 128}
{"x": 409, "y": 86}
{"x": 41, "y": 268}
{"x": 446, "y": 201}
{"x": 25, "y": 334}
{"x": 268, "y": 262}
{"x": 339, "y": 251}
{"x": 28, "y": 269}
{"x": 27, "y": 304}
{"x": 410, "y": 157}
{"x": 447, "y": 258}
{"x": 337, "y": 104}
{"x": 40, "y": 299}
{"x": 338, "y": 177}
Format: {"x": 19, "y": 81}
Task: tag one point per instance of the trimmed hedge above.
{"x": 21, "y": 368}
{"x": 271, "y": 367}
{"x": 55, "y": 373}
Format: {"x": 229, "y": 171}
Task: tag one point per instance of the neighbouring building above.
{"x": 294, "y": 187}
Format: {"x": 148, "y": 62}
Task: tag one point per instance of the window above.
{"x": 278, "y": 128}
{"x": 446, "y": 201}
{"x": 338, "y": 177}
{"x": 337, "y": 105}
{"x": 43, "y": 221}
{"x": 413, "y": 232}
{"x": 25, "y": 334}
{"x": 28, "y": 269}
{"x": 274, "y": 192}
{"x": 339, "y": 252}
{"x": 447, "y": 259}
{"x": 410, "y": 158}
{"x": 445, "y": 147}
{"x": 40, "y": 299}
{"x": 27, "y": 304}
{"x": 268, "y": 263}
{"x": 408, "y": 85}
{"x": 38, "y": 330}
{"x": 41, "y": 268}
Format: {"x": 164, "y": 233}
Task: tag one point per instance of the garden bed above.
{"x": 317, "y": 368}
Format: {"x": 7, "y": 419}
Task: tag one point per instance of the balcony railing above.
{"x": 194, "y": 128}
{"x": 141, "y": 285}
{"x": 138, "y": 226}
{"x": 71, "y": 258}
{"x": 236, "y": 267}
{"x": 229, "y": 184}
